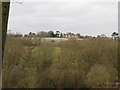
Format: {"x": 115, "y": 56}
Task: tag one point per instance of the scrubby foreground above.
{"x": 67, "y": 64}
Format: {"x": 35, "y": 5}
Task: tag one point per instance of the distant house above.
{"x": 72, "y": 35}
{"x": 77, "y": 35}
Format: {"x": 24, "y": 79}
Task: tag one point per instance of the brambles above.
{"x": 67, "y": 64}
{"x": 97, "y": 77}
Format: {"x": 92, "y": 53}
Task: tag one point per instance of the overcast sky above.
{"x": 86, "y": 18}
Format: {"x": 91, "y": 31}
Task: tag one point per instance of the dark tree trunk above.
{"x": 5, "y": 14}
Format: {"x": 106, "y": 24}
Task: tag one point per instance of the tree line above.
{"x": 51, "y": 33}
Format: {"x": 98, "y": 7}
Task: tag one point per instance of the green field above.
{"x": 66, "y": 64}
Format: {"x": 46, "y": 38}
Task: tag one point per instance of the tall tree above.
{"x": 57, "y": 33}
{"x": 51, "y": 34}
{"x": 114, "y": 34}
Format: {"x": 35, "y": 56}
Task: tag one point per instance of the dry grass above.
{"x": 67, "y": 64}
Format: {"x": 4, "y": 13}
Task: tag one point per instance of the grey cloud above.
{"x": 86, "y": 18}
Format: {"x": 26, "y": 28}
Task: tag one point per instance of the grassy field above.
{"x": 66, "y": 64}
